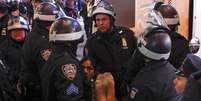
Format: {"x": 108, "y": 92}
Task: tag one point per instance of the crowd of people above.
{"x": 49, "y": 53}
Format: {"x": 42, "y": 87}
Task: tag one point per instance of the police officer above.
{"x": 191, "y": 64}
{"x": 154, "y": 82}
{"x": 110, "y": 46}
{"x": 63, "y": 77}
{"x": 6, "y": 90}
{"x": 11, "y": 48}
{"x": 36, "y": 51}
{"x": 179, "y": 43}
{"x": 4, "y": 17}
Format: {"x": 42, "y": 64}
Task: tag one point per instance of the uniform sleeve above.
{"x": 133, "y": 66}
{"x": 26, "y": 61}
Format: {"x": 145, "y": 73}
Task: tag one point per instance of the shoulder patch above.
{"x": 45, "y": 54}
{"x": 69, "y": 71}
{"x": 133, "y": 92}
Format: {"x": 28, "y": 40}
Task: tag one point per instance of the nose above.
{"x": 101, "y": 22}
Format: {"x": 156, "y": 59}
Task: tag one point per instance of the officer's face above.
{"x": 103, "y": 22}
{"x": 1, "y": 14}
{"x": 15, "y": 13}
{"x": 18, "y": 35}
{"x": 180, "y": 83}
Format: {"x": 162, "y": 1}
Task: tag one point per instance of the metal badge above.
{"x": 124, "y": 43}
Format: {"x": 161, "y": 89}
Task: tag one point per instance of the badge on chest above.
{"x": 124, "y": 43}
{"x": 45, "y": 54}
{"x": 69, "y": 71}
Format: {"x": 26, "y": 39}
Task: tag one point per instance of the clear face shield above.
{"x": 149, "y": 19}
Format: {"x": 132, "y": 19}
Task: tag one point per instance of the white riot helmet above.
{"x": 17, "y": 22}
{"x": 103, "y": 7}
{"x": 17, "y": 29}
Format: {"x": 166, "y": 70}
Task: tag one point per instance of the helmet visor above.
{"x": 149, "y": 19}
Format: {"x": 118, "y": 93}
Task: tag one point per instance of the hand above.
{"x": 21, "y": 89}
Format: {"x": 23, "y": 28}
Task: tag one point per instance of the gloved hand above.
{"x": 21, "y": 89}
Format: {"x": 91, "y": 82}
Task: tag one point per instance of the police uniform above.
{"x": 154, "y": 83}
{"x": 12, "y": 54}
{"x": 36, "y": 51}
{"x": 6, "y": 90}
{"x": 63, "y": 78}
{"x": 3, "y": 27}
{"x": 110, "y": 51}
{"x": 180, "y": 49}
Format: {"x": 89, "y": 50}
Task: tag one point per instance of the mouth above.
{"x": 102, "y": 29}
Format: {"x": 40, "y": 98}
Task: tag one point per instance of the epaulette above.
{"x": 121, "y": 30}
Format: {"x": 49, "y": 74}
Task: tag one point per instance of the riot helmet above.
{"x": 149, "y": 19}
{"x": 103, "y": 7}
{"x": 169, "y": 14}
{"x": 154, "y": 41}
{"x": 45, "y": 15}
{"x": 46, "y": 11}
{"x": 17, "y": 28}
{"x": 156, "y": 44}
{"x": 194, "y": 45}
{"x": 66, "y": 32}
